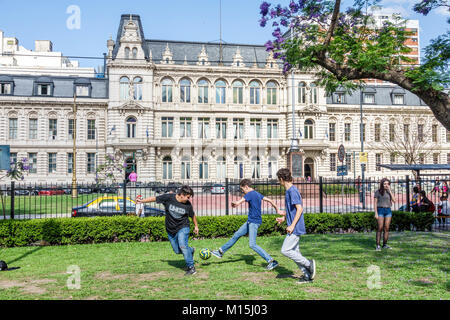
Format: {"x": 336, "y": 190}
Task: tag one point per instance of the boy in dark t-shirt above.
{"x": 178, "y": 211}
{"x": 251, "y": 226}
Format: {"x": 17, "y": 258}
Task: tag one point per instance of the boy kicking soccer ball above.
{"x": 296, "y": 227}
{"x": 178, "y": 210}
{"x": 251, "y": 226}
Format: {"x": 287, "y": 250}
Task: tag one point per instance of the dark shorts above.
{"x": 384, "y": 212}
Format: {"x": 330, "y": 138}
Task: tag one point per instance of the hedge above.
{"x": 15, "y": 233}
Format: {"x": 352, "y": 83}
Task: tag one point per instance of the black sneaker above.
{"x": 190, "y": 271}
{"x": 312, "y": 268}
{"x": 385, "y": 246}
{"x": 272, "y": 265}
{"x": 217, "y": 253}
{"x": 304, "y": 280}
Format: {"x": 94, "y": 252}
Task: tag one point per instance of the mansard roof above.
{"x": 63, "y": 87}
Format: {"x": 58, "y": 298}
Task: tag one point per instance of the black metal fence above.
{"x": 47, "y": 200}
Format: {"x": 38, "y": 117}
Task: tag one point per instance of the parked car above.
{"x": 217, "y": 189}
{"x": 84, "y": 190}
{"x": 172, "y": 187}
{"x": 112, "y": 206}
{"x": 207, "y": 186}
{"x": 51, "y": 192}
{"x": 157, "y": 187}
{"x": 234, "y": 189}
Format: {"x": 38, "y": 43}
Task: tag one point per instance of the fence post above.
{"x": 12, "y": 199}
{"x": 407, "y": 194}
{"x": 124, "y": 197}
{"x": 321, "y": 194}
{"x": 227, "y": 205}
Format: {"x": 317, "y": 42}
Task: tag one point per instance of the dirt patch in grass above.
{"x": 108, "y": 276}
{"x": 30, "y": 287}
{"x": 259, "y": 278}
{"x": 152, "y": 276}
{"x": 315, "y": 290}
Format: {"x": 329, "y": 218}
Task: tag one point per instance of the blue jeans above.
{"x": 252, "y": 230}
{"x": 180, "y": 245}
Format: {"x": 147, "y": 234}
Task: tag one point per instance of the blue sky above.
{"x": 191, "y": 20}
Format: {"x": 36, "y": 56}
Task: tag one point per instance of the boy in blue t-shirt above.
{"x": 296, "y": 227}
{"x": 251, "y": 226}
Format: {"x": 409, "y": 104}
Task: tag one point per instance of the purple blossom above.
{"x": 264, "y": 8}
{"x": 263, "y": 22}
{"x": 294, "y": 7}
{"x": 275, "y": 24}
{"x": 284, "y": 22}
{"x": 269, "y": 45}
{"x": 286, "y": 67}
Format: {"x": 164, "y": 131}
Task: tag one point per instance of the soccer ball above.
{"x": 205, "y": 254}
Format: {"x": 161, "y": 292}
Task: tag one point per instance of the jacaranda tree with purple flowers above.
{"x": 112, "y": 167}
{"x": 345, "y": 46}
{"x": 17, "y": 171}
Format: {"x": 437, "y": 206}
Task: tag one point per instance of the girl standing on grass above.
{"x": 383, "y": 214}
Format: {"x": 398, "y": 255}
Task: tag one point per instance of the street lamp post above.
{"x": 74, "y": 157}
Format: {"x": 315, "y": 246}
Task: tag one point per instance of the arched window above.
{"x": 167, "y": 87}
{"x": 271, "y": 92}
{"x": 186, "y": 168}
{"x": 238, "y": 168}
{"x": 137, "y": 84}
{"x": 185, "y": 91}
{"x": 314, "y": 93}
{"x": 127, "y": 53}
{"x": 256, "y": 168}
{"x": 203, "y": 172}
{"x": 124, "y": 88}
{"x": 309, "y": 129}
{"x": 255, "y": 91}
{"x": 221, "y": 92}
{"x": 302, "y": 92}
{"x": 167, "y": 168}
{"x": 203, "y": 91}
{"x": 131, "y": 127}
{"x": 238, "y": 92}
{"x": 135, "y": 51}
{"x": 221, "y": 168}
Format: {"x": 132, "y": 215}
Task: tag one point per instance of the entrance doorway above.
{"x": 309, "y": 168}
{"x": 131, "y": 166}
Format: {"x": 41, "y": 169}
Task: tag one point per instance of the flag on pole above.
{"x": 113, "y": 129}
{"x": 300, "y": 133}
{"x": 146, "y": 131}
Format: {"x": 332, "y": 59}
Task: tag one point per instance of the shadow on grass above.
{"x": 24, "y": 255}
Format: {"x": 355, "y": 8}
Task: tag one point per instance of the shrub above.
{"x": 15, "y": 233}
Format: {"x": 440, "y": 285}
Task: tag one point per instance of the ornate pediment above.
{"x": 311, "y": 108}
{"x": 130, "y": 105}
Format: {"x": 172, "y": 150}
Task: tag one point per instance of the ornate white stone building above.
{"x": 179, "y": 111}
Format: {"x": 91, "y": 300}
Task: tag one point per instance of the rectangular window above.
{"x": 71, "y": 128}
{"x": 255, "y": 128}
{"x": 203, "y": 128}
{"x": 5, "y": 88}
{"x": 332, "y": 127}
{"x": 272, "y": 129}
{"x": 91, "y": 129}
{"x": 52, "y": 128}
{"x": 363, "y": 132}
{"x": 238, "y": 95}
{"x": 166, "y": 127}
{"x": 82, "y": 91}
{"x": 12, "y": 159}
{"x": 221, "y": 128}
{"x": 369, "y": 98}
{"x": 238, "y": 127}
{"x": 339, "y": 97}
{"x": 377, "y": 132}
{"x": 399, "y": 99}
{"x": 44, "y": 90}
{"x": 185, "y": 127}
{"x": 32, "y": 129}
{"x": 420, "y": 132}
{"x": 332, "y": 161}
{"x": 271, "y": 95}
{"x": 348, "y": 161}
{"x": 392, "y": 158}
{"x": 90, "y": 163}
{"x": 52, "y": 163}
{"x": 435, "y": 158}
{"x": 69, "y": 162}
{"x": 185, "y": 170}
{"x": 347, "y": 133}
{"x": 12, "y": 128}
{"x": 378, "y": 159}
{"x": 32, "y": 162}
{"x": 434, "y": 133}
{"x": 391, "y": 132}
{"x": 203, "y": 94}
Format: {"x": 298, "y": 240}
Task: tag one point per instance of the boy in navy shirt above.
{"x": 251, "y": 226}
{"x": 295, "y": 228}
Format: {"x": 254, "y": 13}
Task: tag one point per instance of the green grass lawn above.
{"x": 416, "y": 268}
